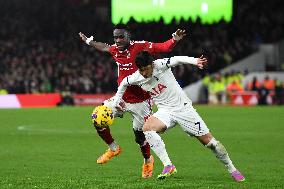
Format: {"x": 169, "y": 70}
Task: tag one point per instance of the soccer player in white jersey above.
{"x": 174, "y": 107}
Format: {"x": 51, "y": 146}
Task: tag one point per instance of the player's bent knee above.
{"x": 149, "y": 125}
{"x": 154, "y": 124}
{"x": 146, "y": 127}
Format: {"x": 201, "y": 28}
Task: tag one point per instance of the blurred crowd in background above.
{"x": 41, "y": 52}
{"x": 217, "y": 89}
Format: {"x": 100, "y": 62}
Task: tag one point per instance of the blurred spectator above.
{"x": 3, "y": 91}
{"x": 205, "y": 88}
{"x": 234, "y": 87}
{"x": 254, "y": 85}
{"x": 268, "y": 83}
{"x": 67, "y": 99}
{"x": 279, "y": 93}
{"x": 217, "y": 89}
{"x": 262, "y": 95}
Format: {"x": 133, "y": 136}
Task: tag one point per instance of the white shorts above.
{"x": 139, "y": 111}
{"x": 187, "y": 118}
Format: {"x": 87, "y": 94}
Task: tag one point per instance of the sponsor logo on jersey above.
{"x": 157, "y": 90}
{"x": 127, "y": 66}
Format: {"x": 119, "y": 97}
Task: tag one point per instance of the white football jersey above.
{"x": 162, "y": 85}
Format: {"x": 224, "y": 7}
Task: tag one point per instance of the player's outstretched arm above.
{"x": 177, "y": 60}
{"x": 98, "y": 45}
{"x": 168, "y": 45}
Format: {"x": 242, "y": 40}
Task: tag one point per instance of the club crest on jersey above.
{"x": 157, "y": 90}
{"x": 123, "y": 53}
{"x": 128, "y": 55}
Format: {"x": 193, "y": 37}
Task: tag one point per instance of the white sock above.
{"x": 221, "y": 153}
{"x": 112, "y": 146}
{"x": 158, "y": 146}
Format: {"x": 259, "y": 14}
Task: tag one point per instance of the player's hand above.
{"x": 120, "y": 106}
{"x": 179, "y": 34}
{"x": 83, "y": 36}
{"x": 201, "y": 61}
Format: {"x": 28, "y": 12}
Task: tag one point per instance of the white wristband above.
{"x": 89, "y": 39}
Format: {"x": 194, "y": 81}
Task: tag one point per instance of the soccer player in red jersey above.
{"x": 136, "y": 100}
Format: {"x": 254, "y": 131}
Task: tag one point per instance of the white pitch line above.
{"x": 44, "y": 130}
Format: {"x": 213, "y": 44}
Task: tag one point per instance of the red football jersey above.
{"x": 125, "y": 61}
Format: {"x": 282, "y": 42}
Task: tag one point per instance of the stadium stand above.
{"x": 41, "y": 51}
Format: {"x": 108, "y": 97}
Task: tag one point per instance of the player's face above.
{"x": 121, "y": 39}
{"x": 146, "y": 71}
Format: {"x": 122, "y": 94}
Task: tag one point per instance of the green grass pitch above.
{"x": 58, "y": 148}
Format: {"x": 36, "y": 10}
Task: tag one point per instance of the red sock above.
{"x": 145, "y": 149}
{"x": 104, "y": 133}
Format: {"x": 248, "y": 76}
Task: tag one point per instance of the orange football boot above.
{"x": 147, "y": 168}
{"x": 108, "y": 155}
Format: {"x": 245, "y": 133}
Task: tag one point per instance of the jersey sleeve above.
{"x": 154, "y": 48}
{"x": 120, "y": 90}
{"x": 166, "y": 63}
{"x": 162, "y": 64}
{"x": 178, "y": 60}
{"x": 111, "y": 49}
{"x": 127, "y": 81}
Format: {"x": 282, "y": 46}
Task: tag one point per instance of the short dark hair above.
{"x": 143, "y": 59}
{"x": 122, "y": 27}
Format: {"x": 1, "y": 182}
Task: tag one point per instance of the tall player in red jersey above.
{"x": 136, "y": 100}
